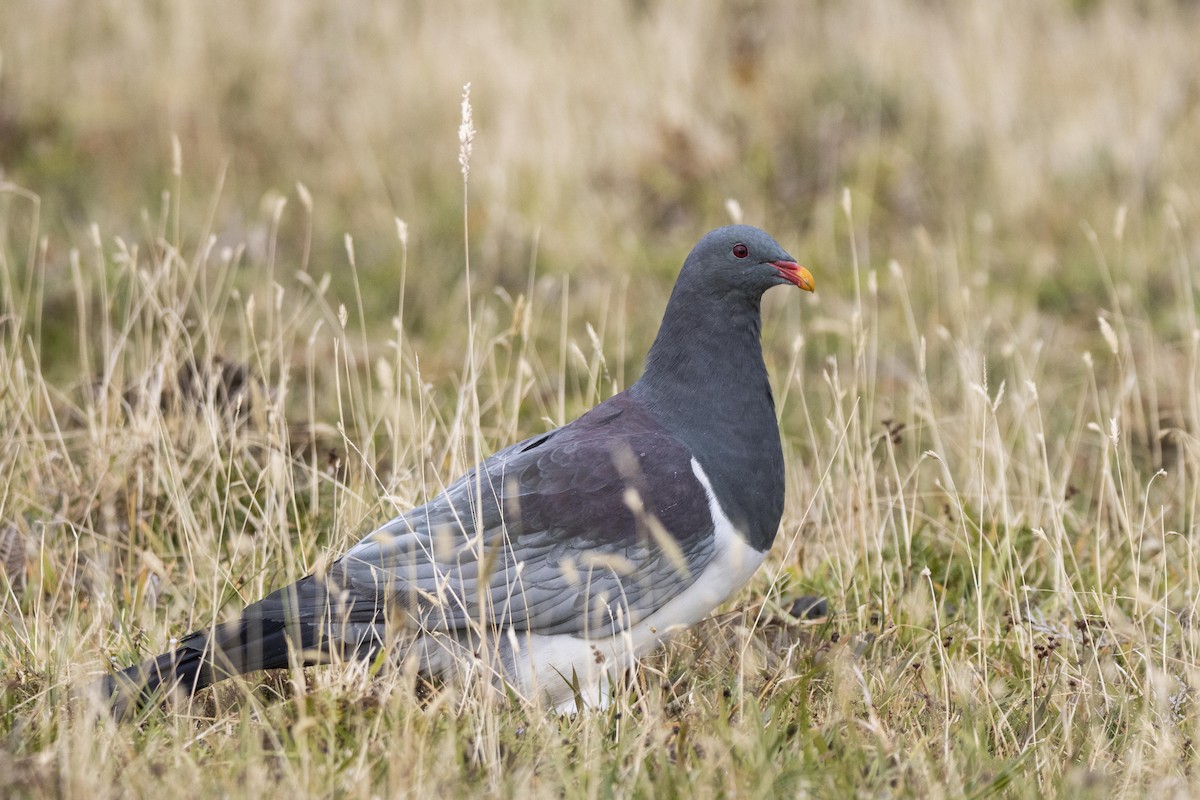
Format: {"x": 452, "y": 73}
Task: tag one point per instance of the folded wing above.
{"x": 583, "y": 531}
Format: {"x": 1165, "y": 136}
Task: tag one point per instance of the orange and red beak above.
{"x": 794, "y": 274}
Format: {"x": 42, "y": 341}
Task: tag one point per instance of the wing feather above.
{"x": 583, "y": 531}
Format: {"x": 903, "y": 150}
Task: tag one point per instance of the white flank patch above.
{"x": 546, "y": 665}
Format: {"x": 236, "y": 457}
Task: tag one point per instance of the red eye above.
{"x": 741, "y": 251}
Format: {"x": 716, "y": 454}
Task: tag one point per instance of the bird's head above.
{"x": 743, "y": 259}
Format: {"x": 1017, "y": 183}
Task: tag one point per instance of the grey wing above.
{"x": 575, "y": 533}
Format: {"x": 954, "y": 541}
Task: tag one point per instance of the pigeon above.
{"x": 550, "y": 567}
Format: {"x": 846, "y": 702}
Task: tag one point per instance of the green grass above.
{"x": 989, "y": 407}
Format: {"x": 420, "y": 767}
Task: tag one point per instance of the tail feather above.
{"x": 260, "y": 639}
{"x": 203, "y": 658}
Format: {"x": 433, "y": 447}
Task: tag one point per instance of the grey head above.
{"x": 740, "y": 261}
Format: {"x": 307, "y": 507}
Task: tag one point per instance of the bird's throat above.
{"x": 708, "y": 357}
{"x": 705, "y": 380}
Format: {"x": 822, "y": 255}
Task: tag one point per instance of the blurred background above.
{"x": 611, "y": 134}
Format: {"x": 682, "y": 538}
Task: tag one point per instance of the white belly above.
{"x": 544, "y": 666}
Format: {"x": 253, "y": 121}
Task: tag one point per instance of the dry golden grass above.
{"x": 221, "y": 358}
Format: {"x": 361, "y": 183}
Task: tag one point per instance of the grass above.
{"x": 990, "y": 415}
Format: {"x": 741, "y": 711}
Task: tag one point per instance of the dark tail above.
{"x": 203, "y": 658}
{"x": 259, "y": 640}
